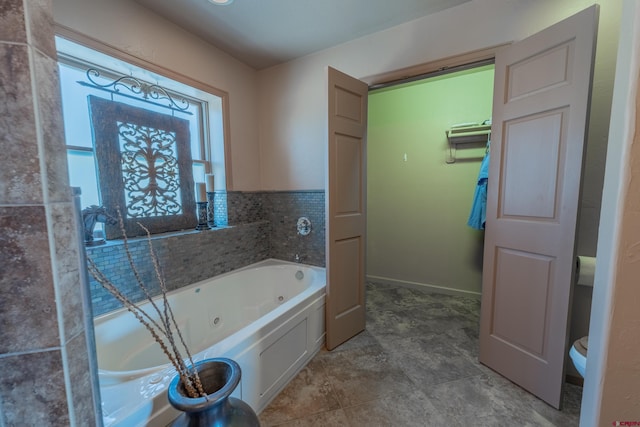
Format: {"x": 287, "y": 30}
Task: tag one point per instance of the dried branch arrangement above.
{"x": 164, "y": 330}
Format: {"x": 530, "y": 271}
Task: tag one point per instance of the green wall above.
{"x": 418, "y": 208}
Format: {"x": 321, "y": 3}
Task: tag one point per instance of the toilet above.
{"x": 578, "y": 354}
{"x": 585, "y": 276}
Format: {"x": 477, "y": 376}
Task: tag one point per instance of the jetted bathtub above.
{"x": 268, "y": 317}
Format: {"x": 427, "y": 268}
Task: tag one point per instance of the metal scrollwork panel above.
{"x": 149, "y": 171}
{"x": 144, "y": 167}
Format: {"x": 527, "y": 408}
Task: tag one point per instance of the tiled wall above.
{"x": 283, "y": 209}
{"x": 185, "y": 259}
{"x": 261, "y": 225}
{"x": 245, "y": 207}
{"x": 45, "y": 352}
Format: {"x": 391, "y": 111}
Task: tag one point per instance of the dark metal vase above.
{"x": 219, "y": 376}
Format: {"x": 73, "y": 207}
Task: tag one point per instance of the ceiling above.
{"x": 263, "y": 33}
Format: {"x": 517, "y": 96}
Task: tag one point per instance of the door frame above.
{"x": 433, "y": 68}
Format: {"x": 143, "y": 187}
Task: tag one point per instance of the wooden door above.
{"x": 541, "y": 104}
{"x": 345, "y": 205}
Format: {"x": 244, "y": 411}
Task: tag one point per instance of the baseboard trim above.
{"x": 423, "y": 286}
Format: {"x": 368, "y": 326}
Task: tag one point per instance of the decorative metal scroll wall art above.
{"x": 144, "y": 166}
{"x": 141, "y": 90}
{"x": 149, "y": 171}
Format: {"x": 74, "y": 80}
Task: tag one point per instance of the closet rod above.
{"x": 436, "y": 73}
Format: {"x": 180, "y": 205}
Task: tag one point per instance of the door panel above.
{"x": 346, "y": 216}
{"x": 541, "y": 99}
{"x": 347, "y": 298}
{"x": 524, "y": 77}
{"x": 518, "y": 296}
{"x": 349, "y": 174}
{"x": 532, "y": 148}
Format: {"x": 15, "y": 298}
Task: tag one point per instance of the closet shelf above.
{"x": 468, "y": 134}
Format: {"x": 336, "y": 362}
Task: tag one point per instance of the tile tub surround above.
{"x": 185, "y": 259}
{"x": 416, "y": 364}
{"x": 282, "y": 209}
{"x": 45, "y": 377}
{"x": 252, "y": 226}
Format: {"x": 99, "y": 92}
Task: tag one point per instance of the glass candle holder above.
{"x": 202, "y": 216}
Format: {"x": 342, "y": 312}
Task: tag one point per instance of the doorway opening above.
{"x": 419, "y": 204}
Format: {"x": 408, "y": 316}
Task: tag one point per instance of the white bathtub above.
{"x": 268, "y": 317}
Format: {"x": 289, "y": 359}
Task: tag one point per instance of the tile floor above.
{"x": 414, "y": 365}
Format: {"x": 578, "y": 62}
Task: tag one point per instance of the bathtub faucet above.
{"x": 298, "y": 258}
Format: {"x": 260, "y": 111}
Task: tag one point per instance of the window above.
{"x": 135, "y": 139}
